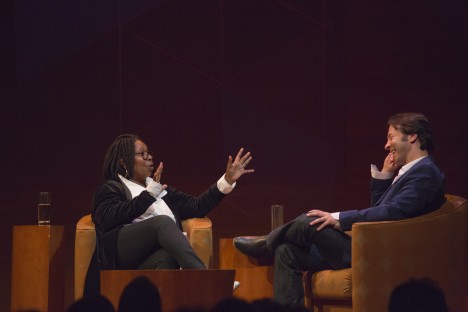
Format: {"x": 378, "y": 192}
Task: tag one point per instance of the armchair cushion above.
{"x": 331, "y": 285}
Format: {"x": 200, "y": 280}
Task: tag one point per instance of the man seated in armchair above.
{"x": 316, "y": 240}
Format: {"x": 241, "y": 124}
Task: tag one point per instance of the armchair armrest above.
{"x": 85, "y": 243}
{"x": 199, "y": 233}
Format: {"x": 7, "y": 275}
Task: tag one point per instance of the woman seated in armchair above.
{"x": 138, "y": 219}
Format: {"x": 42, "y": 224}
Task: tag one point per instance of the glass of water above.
{"x": 43, "y": 208}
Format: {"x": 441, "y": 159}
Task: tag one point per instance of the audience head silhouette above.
{"x": 96, "y": 303}
{"x": 417, "y": 295}
{"x": 270, "y": 305}
{"x": 231, "y": 305}
{"x": 140, "y": 295}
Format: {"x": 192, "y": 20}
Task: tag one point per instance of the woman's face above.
{"x": 142, "y": 168}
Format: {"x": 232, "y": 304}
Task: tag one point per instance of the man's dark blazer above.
{"x": 418, "y": 191}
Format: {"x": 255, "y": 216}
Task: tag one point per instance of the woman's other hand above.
{"x": 157, "y": 178}
{"x": 158, "y": 173}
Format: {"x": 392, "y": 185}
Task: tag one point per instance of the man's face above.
{"x": 399, "y": 145}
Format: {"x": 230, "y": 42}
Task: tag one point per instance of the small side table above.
{"x": 255, "y": 275}
{"x": 37, "y": 273}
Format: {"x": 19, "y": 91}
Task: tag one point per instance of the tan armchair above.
{"x": 199, "y": 232}
{"x": 385, "y": 254}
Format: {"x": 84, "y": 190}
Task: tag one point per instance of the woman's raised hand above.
{"x": 235, "y": 169}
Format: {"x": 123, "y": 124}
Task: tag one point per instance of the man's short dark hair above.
{"x": 414, "y": 123}
{"x": 417, "y": 295}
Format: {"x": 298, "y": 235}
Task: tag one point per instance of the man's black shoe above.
{"x": 253, "y": 246}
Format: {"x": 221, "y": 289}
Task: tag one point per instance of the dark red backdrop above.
{"x": 306, "y": 86}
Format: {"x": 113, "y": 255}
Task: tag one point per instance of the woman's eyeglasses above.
{"x": 145, "y": 155}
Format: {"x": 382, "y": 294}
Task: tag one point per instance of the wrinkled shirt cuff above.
{"x": 376, "y": 174}
{"x": 155, "y": 189}
{"x": 224, "y": 187}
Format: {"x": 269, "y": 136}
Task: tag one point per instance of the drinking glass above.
{"x": 43, "y": 208}
{"x": 276, "y": 216}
